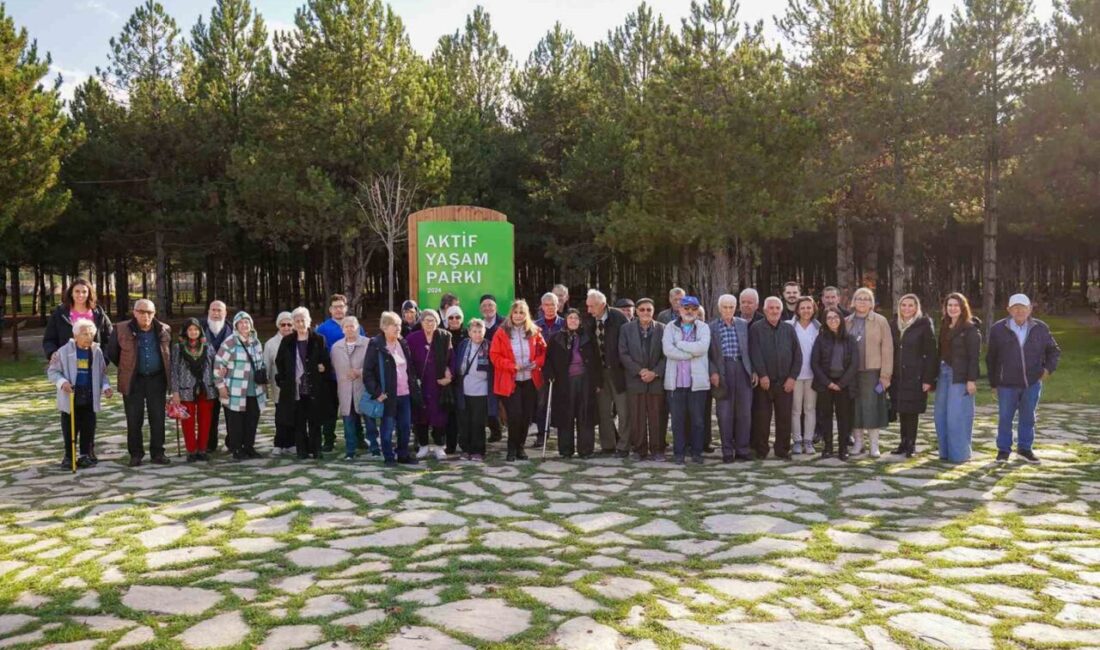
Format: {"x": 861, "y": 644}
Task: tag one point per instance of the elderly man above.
{"x": 333, "y": 330}
{"x": 215, "y": 330}
{"x": 562, "y": 292}
{"x": 777, "y": 360}
{"x": 550, "y": 323}
{"x": 830, "y": 297}
{"x": 792, "y": 291}
{"x": 750, "y": 305}
{"x": 626, "y": 306}
{"x": 731, "y": 371}
{"x": 675, "y": 295}
{"x": 139, "y": 348}
{"x": 604, "y": 325}
{"x": 643, "y": 359}
{"x": 1022, "y": 353}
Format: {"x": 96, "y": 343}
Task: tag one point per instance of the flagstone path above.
{"x": 604, "y": 554}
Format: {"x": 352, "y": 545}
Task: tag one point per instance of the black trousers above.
{"x": 307, "y": 427}
{"x": 423, "y": 439}
{"x": 521, "y": 405}
{"x": 241, "y": 426}
{"x": 471, "y": 420}
{"x": 580, "y": 421}
{"x": 451, "y": 444}
{"x": 765, "y": 402}
{"x": 284, "y": 433}
{"x": 908, "y": 430}
{"x": 85, "y": 430}
{"x": 146, "y": 394}
{"x": 212, "y": 436}
{"x": 840, "y": 404}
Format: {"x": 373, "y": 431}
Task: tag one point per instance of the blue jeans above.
{"x": 1011, "y": 401}
{"x": 353, "y": 428}
{"x": 684, "y": 403}
{"x": 402, "y": 421}
{"x": 954, "y": 418}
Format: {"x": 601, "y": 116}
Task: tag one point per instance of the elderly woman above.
{"x": 431, "y": 359}
{"x": 686, "y": 345}
{"x": 876, "y": 368}
{"x": 238, "y": 365}
{"x": 915, "y": 366}
{"x": 389, "y": 378}
{"x": 518, "y": 353}
{"x": 348, "y": 356}
{"x": 473, "y": 374}
{"x": 410, "y": 317}
{"x": 456, "y": 328}
{"x": 573, "y": 366}
{"x": 191, "y": 382}
{"x": 79, "y": 370}
{"x": 78, "y": 303}
{"x": 284, "y": 434}
{"x": 304, "y": 399}
{"x": 960, "y": 348}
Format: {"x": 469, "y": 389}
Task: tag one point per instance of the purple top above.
{"x": 683, "y": 367}
{"x": 576, "y": 364}
{"x": 423, "y": 362}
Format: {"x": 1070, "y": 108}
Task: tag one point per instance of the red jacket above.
{"x": 504, "y": 362}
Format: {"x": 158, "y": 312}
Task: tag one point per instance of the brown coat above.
{"x": 879, "y": 344}
{"x": 122, "y": 350}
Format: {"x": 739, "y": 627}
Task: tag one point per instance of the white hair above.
{"x": 145, "y": 301}
{"x": 771, "y": 299}
{"x": 476, "y": 323}
{"x": 350, "y": 319}
{"x": 598, "y": 295}
{"x": 430, "y": 313}
{"x": 217, "y": 302}
{"x": 561, "y": 287}
{"x": 304, "y": 313}
{"x": 676, "y": 291}
{"x": 751, "y": 292}
{"x": 549, "y": 295}
{"x": 81, "y": 324}
{"x": 727, "y": 298}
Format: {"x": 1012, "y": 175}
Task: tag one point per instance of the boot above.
{"x": 857, "y": 442}
{"x": 874, "y": 443}
{"x": 494, "y": 430}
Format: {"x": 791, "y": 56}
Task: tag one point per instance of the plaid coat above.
{"x": 233, "y": 358}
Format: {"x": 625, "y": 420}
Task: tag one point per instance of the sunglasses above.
{"x": 144, "y": 311}
{"x": 454, "y": 318}
{"x": 286, "y": 324}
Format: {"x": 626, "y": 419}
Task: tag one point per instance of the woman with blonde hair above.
{"x": 915, "y": 367}
{"x": 518, "y": 353}
{"x": 389, "y": 378}
{"x": 876, "y": 368}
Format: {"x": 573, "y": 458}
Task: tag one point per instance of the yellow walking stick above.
{"x": 72, "y": 427}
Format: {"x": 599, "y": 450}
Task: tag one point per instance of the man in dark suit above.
{"x": 603, "y": 325}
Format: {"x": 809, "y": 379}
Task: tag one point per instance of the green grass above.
{"x": 1076, "y": 381}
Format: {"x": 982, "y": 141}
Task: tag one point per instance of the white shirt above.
{"x": 806, "y": 338}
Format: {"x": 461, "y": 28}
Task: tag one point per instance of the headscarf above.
{"x": 243, "y": 315}
{"x": 193, "y": 353}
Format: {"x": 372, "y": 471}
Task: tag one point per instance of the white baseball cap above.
{"x": 1019, "y": 299}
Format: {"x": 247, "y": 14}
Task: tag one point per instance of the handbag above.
{"x": 369, "y": 406}
{"x": 258, "y": 376}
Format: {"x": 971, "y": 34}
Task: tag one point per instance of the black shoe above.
{"x": 303, "y": 456}
{"x": 495, "y": 437}
{"x": 679, "y": 460}
{"x": 909, "y": 453}
{"x": 390, "y": 463}
{"x": 727, "y": 459}
{"x": 135, "y": 461}
{"x": 738, "y": 458}
{"x": 161, "y": 460}
{"x": 899, "y": 450}
{"x": 511, "y": 457}
{"x": 565, "y": 456}
{"x": 252, "y": 453}
{"x": 622, "y": 454}
{"x": 698, "y": 460}
{"x": 327, "y": 447}
{"x": 92, "y": 457}
{"x": 84, "y": 462}
{"x": 520, "y": 454}
{"x": 707, "y": 449}
{"x": 238, "y": 456}
{"x": 585, "y": 456}
{"x": 1002, "y": 456}
{"x": 826, "y": 454}
{"x": 67, "y": 463}
{"x": 1028, "y": 455}
{"x": 408, "y": 460}
{"x": 843, "y": 455}
{"x": 192, "y": 457}
{"x": 538, "y": 442}
{"x": 783, "y": 457}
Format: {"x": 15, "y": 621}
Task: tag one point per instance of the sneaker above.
{"x": 67, "y": 463}
{"x": 622, "y": 454}
{"x": 277, "y": 451}
{"x": 1027, "y": 454}
{"x": 327, "y": 447}
{"x": 192, "y": 458}
{"x": 698, "y": 460}
{"x": 727, "y": 460}
{"x": 349, "y": 459}
{"x": 520, "y": 454}
{"x": 477, "y": 458}
{"x": 1002, "y": 456}
{"x": 797, "y": 449}
{"x": 252, "y": 453}
{"x": 423, "y": 452}
{"x": 408, "y": 460}
{"x": 738, "y": 458}
{"x": 826, "y": 454}
{"x": 161, "y": 460}
{"x": 440, "y": 454}
{"x": 390, "y": 463}
{"x": 808, "y": 448}
{"x": 679, "y": 460}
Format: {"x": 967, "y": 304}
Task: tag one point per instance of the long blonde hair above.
{"x": 529, "y": 327}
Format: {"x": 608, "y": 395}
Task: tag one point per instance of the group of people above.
{"x": 626, "y": 370}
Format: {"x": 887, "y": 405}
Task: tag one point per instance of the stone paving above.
{"x": 603, "y": 554}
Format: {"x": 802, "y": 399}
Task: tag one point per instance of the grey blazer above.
{"x": 635, "y": 357}
{"x": 62, "y": 369}
{"x": 716, "y": 366}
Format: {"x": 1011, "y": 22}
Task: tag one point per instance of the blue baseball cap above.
{"x": 689, "y": 301}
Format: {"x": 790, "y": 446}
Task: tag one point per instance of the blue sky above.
{"x": 76, "y": 32}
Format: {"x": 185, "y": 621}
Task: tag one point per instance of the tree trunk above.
{"x": 122, "y": 287}
{"x": 164, "y": 298}
{"x": 845, "y": 266}
{"x": 897, "y": 274}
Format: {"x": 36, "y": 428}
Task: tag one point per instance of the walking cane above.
{"x": 178, "y": 452}
{"x": 72, "y": 427}
{"x": 546, "y": 430}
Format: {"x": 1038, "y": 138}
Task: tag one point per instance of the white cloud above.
{"x": 70, "y": 79}
{"x": 100, "y": 8}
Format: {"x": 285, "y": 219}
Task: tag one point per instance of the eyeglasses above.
{"x": 454, "y": 318}
{"x": 644, "y": 310}
{"x": 144, "y": 311}
{"x": 281, "y": 325}
{"x": 690, "y": 308}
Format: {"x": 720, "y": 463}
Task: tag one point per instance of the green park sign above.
{"x": 467, "y": 258}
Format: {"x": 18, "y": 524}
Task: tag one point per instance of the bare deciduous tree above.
{"x": 386, "y": 200}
